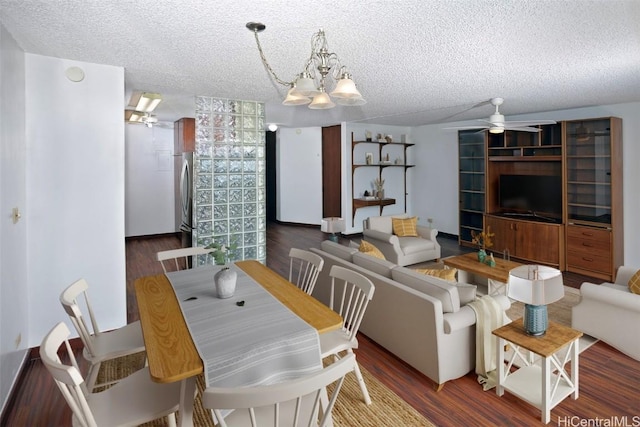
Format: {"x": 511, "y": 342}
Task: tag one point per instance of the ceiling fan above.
{"x": 137, "y": 117}
{"x": 497, "y": 124}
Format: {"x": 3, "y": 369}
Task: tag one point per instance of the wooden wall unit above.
{"x": 184, "y": 135}
{"x": 586, "y": 154}
{"x": 471, "y": 184}
{"x": 594, "y": 201}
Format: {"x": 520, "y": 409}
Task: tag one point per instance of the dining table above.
{"x": 172, "y": 353}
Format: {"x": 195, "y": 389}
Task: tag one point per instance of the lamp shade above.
{"x": 306, "y": 86}
{"x": 295, "y": 98}
{"x": 332, "y": 225}
{"x": 535, "y": 284}
{"x": 346, "y": 88}
{"x": 321, "y": 102}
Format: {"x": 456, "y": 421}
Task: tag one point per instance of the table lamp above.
{"x": 535, "y": 286}
{"x": 332, "y": 225}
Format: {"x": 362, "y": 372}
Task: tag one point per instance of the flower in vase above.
{"x": 220, "y": 252}
{"x": 482, "y": 239}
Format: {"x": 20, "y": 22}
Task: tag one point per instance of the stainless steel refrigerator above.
{"x": 183, "y": 184}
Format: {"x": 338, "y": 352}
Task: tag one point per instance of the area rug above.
{"x": 386, "y": 409}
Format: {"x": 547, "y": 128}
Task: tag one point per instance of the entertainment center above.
{"x": 552, "y": 197}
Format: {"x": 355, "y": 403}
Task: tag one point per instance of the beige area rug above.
{"x": 386, "y": 409}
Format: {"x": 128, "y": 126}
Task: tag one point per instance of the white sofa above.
{"x": 378, "y": 230}
{"x": 611, "y": 313}
{"x": 421, "y": 319}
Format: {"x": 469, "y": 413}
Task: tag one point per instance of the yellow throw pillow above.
{"x": 405, "y": 227}
{"x": 634, "y": 283}
{"x": 448, "y": 274}
{"x": 369, "y": 249}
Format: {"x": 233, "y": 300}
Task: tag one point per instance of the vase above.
{"x": 380, "y": 194}
{"x": 482, "y": 255}
{"x": 225, "y": 281}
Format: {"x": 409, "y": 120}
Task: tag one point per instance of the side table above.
{"x": 544, "y": 382}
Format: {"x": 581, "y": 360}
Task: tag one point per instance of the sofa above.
{"x": 378, "y": 230}
{"x": 610, "y": 312}
{"x": 423, "y": 320}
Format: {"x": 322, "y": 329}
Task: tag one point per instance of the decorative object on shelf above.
{"x": 483, "y": 240}
{"x": 220, "y": 252}
{"x": 378, "y": 183}
{"x": 367, "y": 136}
{"x": 491, "y": 261}
{"x": 312, "y": 83}
{"x": 366, "y": 193}
{"x": 535, "y": 286}
{"x": 368, "y": 158}
{"x": 225, "y": 281}
{"x": 389, "y": 138}
{"x": 332, "y": 225}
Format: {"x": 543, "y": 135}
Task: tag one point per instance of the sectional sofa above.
{"x": 423, "y": 320}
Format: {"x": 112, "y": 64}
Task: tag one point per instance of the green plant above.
{"x": 220, "y": 252}
{"x": 482, "y": 239}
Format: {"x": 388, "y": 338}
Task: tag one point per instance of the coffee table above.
{"x": 470, "y": 270}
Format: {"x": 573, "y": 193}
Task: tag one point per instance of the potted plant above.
{"x": 483, "y": 240}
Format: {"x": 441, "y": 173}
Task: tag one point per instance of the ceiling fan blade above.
{"x": 467, "y": 127}
{"x": 530, "y": 122}
{"x": 508, "y": 126}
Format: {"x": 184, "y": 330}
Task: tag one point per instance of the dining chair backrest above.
{"x": 67, "y": 377}
{"x": 78, "y": 290}
{"x": 134, "y": 400}
{"x": 304, "y": 268}
{"x": 350, "y": 295}
{"x": 179, "y": 259}
{"x": 297, "y": 402}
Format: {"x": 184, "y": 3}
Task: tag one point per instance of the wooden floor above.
{"x": 609, "y": 381}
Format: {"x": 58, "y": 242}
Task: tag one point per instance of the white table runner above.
{"x": 261, "y": 342}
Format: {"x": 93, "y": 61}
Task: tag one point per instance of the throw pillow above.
{"x": 448, "y": 274}
{"x": 405, "y": 227}
{"x": 369, "y": 249}
{"x": 634, "y": 283}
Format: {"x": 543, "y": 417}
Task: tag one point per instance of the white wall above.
{"x": 437, "y": 177}
{"x": 75, "y": 190}
{"x": 149, "y": 193}
{"x": 299, "y": 175}
{"x": 14, "y": 321}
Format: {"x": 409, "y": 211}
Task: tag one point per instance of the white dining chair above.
{"x": 293, "y": 403}
{"x": 179, "y": 259}
{"x": 304, "y": 268}
{"x": 99, "y": 346}
{"x": 134, "y": 400}
{"x": 350, "y": 295}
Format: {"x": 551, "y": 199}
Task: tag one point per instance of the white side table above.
{"x": 544, "y": 382}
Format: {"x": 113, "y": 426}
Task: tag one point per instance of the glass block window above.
{"x": 229, "y": 207}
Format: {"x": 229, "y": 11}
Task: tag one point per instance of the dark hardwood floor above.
{"x": 609, "y": 381}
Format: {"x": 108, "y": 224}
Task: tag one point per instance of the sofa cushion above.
{"x": 375, "y": 265}
{"x": 448, "y": 274}
{"x": 446, "y": 292}
{"x": 412, "y": 245}
{"x": 370, "y": 249}
{"x": 634, "y": 283}
{"x": 336, "y": 249}
{"x": 405, "y": 227}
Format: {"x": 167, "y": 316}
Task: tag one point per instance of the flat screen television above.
{"x": 531, "y": 194}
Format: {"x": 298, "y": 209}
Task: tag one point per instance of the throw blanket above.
{"x": 489, "y": 316}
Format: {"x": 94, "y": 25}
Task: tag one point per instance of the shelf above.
{"x": 406, "y": 144}
{"x": 525, "y": 158}
{"x": 363, "y": 203}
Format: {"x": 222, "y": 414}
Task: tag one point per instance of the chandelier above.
{"x": 310, "y": 86}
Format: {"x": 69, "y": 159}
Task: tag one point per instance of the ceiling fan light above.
{"x": 295, "y": 98}
{"x": 148, "y": 102}
{"x": 496, "y": 129}
{"x": 136, "y": 116}
{"x": 321, "y": 102}
{"x": 346, "y": 88}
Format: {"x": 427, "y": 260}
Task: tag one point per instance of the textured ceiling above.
{"x": 415, "y": 61}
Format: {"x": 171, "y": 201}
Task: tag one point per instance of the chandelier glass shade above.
{"x": 310, "y": 86}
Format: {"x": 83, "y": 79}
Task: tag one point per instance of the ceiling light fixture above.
{"x": 310, "y": 86}
{"x": 145, "y": 102}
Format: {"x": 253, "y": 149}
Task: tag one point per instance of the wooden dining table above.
{"x": 171, "y": 353}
